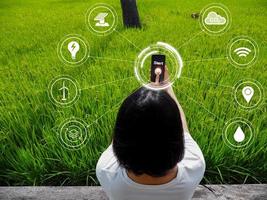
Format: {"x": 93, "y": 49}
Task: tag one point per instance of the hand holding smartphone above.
{"x": 157, "y": 68}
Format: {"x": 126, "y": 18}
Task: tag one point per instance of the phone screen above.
{"x": 157, "y": 61}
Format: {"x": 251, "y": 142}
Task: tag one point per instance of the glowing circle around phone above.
{"x": 172, "y": 55}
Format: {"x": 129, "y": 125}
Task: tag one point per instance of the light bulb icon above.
{"x": 73, "y": 48}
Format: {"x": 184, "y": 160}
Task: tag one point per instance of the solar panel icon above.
{"x": 101, "y": 20}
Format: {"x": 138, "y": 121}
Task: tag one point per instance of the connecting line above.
{"x": 205, "y": 59}
{"x": 111, "y": 82}
{"x": 128, "y": 40}
{"x": 190, "y": 39}
{"x": 110, "y": 110}
{"x": 211, "y": 83}
{"x": 114, "y": 59}
{"x": 230, "y": 102}
{"x": 202, "y": 106}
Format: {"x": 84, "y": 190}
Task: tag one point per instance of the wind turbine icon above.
{"x": 65, "y": 91}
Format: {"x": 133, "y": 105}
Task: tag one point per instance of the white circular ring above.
{"x": 229, "y": 51}
{"x": 110, "y": 9}
{"x": 76, "y": 37}
{"x": 67, "y": 143}
{"x": 221, "y": 7}
{"x": 253, "y": 82}
{"x": 71, "y": 80}
{"x": 233, "y": 121}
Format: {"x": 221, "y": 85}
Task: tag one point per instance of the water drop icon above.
{"x": 239, "y": 135}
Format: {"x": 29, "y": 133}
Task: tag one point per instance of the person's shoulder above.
{"x": 107, "y": 162}
{"x": 108, "y": 170}
{"x": 192, "y": 149}
{"x": 193, "y": 161}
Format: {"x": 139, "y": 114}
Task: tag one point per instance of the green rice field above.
{"x": 32, "y": 151}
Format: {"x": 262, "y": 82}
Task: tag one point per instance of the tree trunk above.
{"x": 130, "y": 13}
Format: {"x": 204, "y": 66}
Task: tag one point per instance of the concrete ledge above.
{"x": 221, "y": 192}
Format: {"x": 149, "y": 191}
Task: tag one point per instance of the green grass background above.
{"x": 31, "y": 153}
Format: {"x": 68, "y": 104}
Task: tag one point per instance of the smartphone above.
{"x": 157, "y": 61}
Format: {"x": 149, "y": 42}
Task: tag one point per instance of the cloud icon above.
{"x": 214, "y": 19}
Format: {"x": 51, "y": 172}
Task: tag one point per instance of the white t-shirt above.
{"x": 118, "y": 186}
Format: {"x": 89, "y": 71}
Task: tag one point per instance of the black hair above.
{"x": 148, "y": 135}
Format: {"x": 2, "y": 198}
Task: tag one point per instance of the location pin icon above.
{"x": 248, "y": 93}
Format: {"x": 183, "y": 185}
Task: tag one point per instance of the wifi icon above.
{"x": 242, "y": 51}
